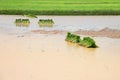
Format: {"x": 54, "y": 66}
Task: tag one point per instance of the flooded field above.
{"x": 67, "y": 23}
{"x": 25, "y": 55}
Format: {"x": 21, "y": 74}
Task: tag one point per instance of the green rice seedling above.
{"x": 22, "y": 22}
{"x": 46, "y": 22}
{"x": 18, "y": 20}
{"x": 88, "y": 42}
{"x": 72, "y": 38}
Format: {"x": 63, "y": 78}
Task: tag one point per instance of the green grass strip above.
{"x": 61, "y": 12}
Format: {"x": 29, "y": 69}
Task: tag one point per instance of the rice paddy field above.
{"x": 60, "y": 7}
{"x": 55, "y": 40}
{"x": 31, "y": 52}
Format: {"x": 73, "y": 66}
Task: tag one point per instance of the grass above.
{"x": 60, "y": 7}
{"x": 86, "y": 42}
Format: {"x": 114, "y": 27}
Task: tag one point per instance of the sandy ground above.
{"x": 49, "y": 57}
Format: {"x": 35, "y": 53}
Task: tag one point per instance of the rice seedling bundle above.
{"x": 46, "y": 22}
{"x": 22, "y": 22}
{"x": 86, "y": 41}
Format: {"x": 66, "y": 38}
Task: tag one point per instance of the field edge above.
{"x": 61, "y": 12}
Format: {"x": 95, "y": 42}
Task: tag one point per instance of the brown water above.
{"x": 49, "y": 57}
{"x": 28, "y": 56}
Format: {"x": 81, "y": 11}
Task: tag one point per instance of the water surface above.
{"x": 49, "y": 57}
{"x": 67, "y": 23}
{"x": 28, "y": 56}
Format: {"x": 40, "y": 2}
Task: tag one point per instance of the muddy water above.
{"x": 49, "y": 57}
{"x": 67, "y": 23}
{"x": 28, "y": 56}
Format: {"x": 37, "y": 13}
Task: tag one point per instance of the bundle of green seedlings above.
{"x": 46, "y": 22}
{"x": 22, "y": 22}
{"x": 86, "y": 41}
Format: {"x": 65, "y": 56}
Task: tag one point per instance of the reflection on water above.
{"x": 46, "y": 25}
{"x": 76, "y": 47}
{"x": 22, "y": 24}
{"x": 73, "y": 44}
